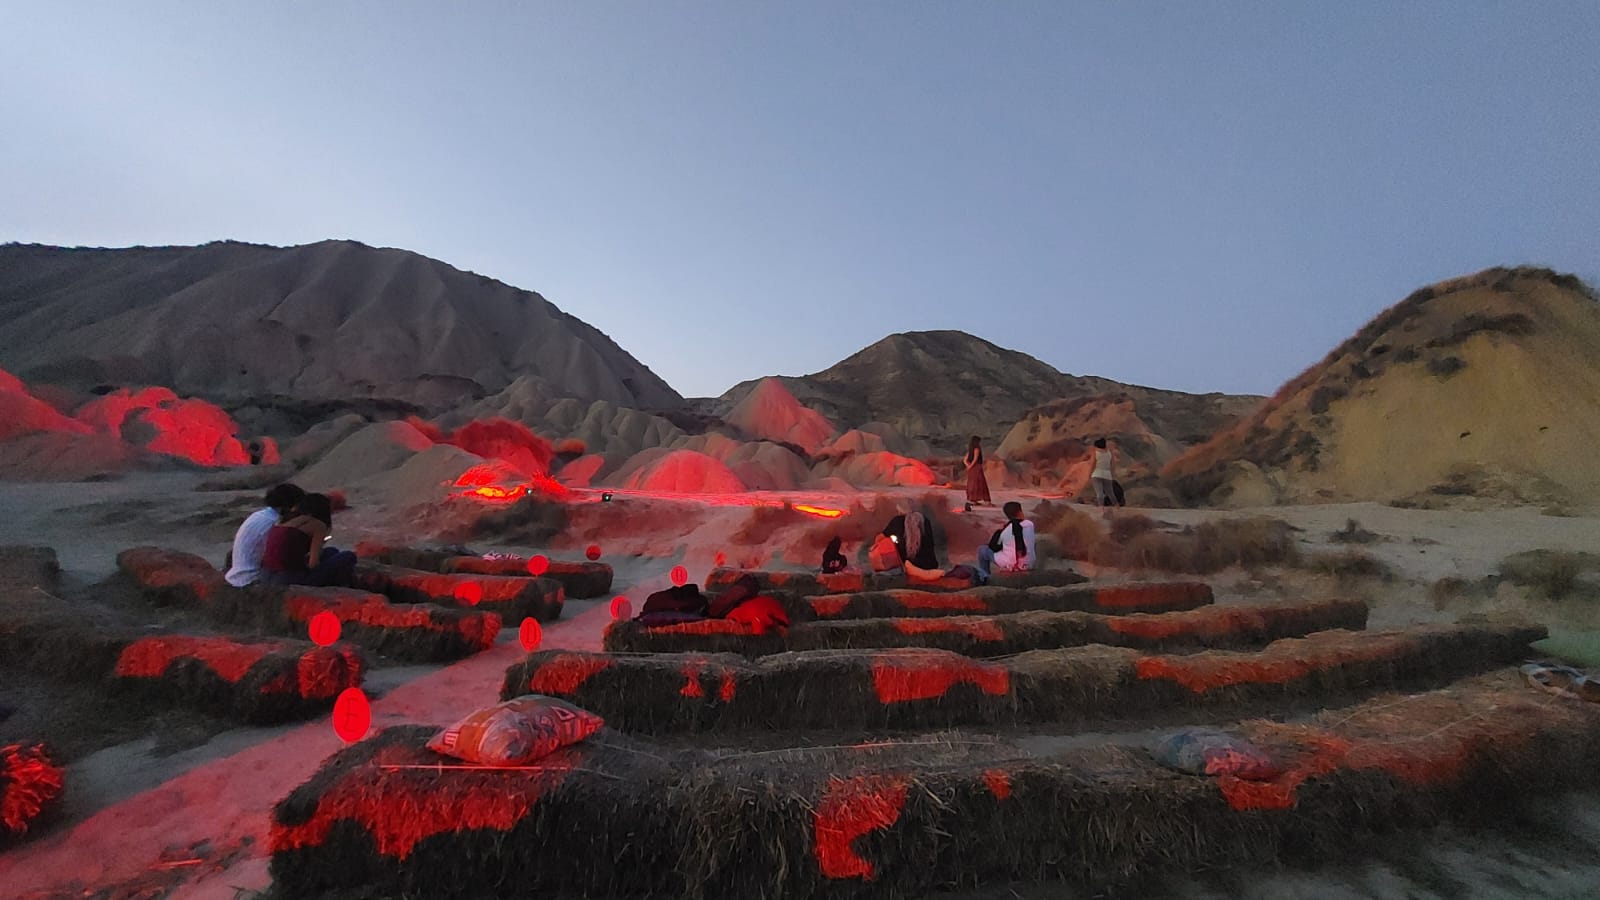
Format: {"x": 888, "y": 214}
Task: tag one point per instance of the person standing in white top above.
{"x": 251, "y": 538}
{"x": 1104, "y": 476}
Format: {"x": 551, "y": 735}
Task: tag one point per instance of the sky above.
{"x": 1197, "y": 196}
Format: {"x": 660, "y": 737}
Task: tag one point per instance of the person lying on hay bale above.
{"x": 740, "y": 602}
{"x": 1011, "y": 549}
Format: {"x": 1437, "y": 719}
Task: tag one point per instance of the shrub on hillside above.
{"x": 1552, "y": 574}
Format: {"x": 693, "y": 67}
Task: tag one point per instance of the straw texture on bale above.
{"x": 420, "y": 632}
{"x": 1119, "y": 599}
{"x": 1213, "y": 627}
{"x": 807, "y": 584}
{"x": 512, "y": 599}
{"x": 913, "y": 688}
{"x": 613, "y": 818}
{"x": 581, "y": 580}
{"x": 30, "y": 788}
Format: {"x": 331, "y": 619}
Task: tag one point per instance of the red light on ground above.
{"x": 593, "y": 553}
{"x": 530, "y": 634}
{"x": 621, "y": 608}
{"x": 469, "y": 593}
{"x": 352, "y": 715}
{"x": 680, "y": 576}
{"x": 821, "y": 511}
{"x": 538, "y": 566}
{"x": 324, "y": 628}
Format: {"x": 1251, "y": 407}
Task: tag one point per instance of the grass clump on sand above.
{"x": 1551, "y": 574}
{"x": 1353, "y": 533}
{"x": 1139, "y": 542}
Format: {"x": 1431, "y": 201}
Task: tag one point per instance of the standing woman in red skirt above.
{"x": 977, "y": 485}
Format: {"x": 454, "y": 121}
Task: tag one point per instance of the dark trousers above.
{"x": 334, "y": 569}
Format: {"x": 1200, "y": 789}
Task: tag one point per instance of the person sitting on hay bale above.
{"x": 296, "y": 551}
{"x": 1012, "y": 548}
{"x": 250, "y": 541}
{"x": 911, "y": 536}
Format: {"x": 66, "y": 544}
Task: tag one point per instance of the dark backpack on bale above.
{"x": 738, "y": 592}
{"x": 832, "y": 559}
{"x": 685, "y": 599}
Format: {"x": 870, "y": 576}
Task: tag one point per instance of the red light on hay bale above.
{"x": 352, "y": 715}
{"x": 469, "y": 593}
{"x": 680, "y": 576}
{"x": 530, "y": 634}
{"x": 621, "y": 608}
{"x": 324, "y": 628}
{"x": 538, "y": 566}
{"x": 593, "y": 553}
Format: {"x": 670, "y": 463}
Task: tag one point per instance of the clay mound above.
{"x": 879, "y": 470}
{"x": 23, "y": 413}
{"x": 852, "y": 442}
{"x": 582, "y": 471}
{"x": 332, "y": 321}
{"x": 374, "y": 450}
{"x": 1467, "y": 389}
{"x": 511, "y": 443}
{"x": 683, "y": 471}
{"x": 432, "y": 475}
{"x": 58, "y": 456}
{"x": 158, "y": 420}
{"x": 770, "y": 412}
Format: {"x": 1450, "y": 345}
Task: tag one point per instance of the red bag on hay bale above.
{"x": 762, "y": 614}
{"x": 516, "y": 732}
{"x": 30, "y": 786}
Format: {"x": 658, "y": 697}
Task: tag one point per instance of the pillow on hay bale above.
{"x": 516, "y": 732}
{"x": 762, "y": 614}
{"x": 1206, "y": 751}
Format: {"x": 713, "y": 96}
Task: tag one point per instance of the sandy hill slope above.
{"x": 769, "y": 412}
{"x": 1483, "y": 386}
{"x": 331, "y": 320}
{"x": 943, "y": 387}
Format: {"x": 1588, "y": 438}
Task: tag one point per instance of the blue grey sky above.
{"x": 1193, "y": 195}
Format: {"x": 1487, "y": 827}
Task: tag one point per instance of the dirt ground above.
{"x": 212, "y": 784}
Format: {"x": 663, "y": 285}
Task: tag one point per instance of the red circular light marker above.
{"x": 593, "y": 553}
{"x": 680, "y": 576}
{"x": 352, "y": 715}
{"x": 621, "y": 608}
{"x": 530, "y": 634}
{"x": 538, "y": 565}
{"x": 324, "y": 629}
{"x": 469, "y": 593}
{"x": 721, "y": 560}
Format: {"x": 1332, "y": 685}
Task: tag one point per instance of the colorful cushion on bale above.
{"x": 516, "y": 732}
{"x": 762, "y": 614}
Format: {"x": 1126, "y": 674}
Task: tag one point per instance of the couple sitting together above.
{"x": 907, "y": 543}
{"x": 287, "y": 543}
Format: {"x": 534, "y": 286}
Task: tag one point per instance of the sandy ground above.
{"x": 194, "y": 822}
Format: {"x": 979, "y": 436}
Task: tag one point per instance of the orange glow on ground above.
{"x": 821, "y": 511}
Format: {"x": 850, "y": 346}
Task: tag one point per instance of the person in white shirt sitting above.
{"x": 244, "y": 567}
{"x": 1012, "y": 548}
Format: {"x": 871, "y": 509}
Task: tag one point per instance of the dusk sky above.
{"x": 1191, "y": 195}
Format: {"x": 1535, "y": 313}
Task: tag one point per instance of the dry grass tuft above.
{"x": 1347, "y": 565}
{"x": 1551, "y": 574}
{"x": 1353, "y": 533}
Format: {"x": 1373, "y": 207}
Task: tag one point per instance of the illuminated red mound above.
{"x": 685, "y": 472}
{"x": 770, "y": 412}
{"x": 156, "y": 419}
{"x": 879, "y": 470}
{"x": 22, "y": 413}
{"x": 497, "y": 439}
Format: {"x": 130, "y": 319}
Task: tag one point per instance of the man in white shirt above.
{"x": 251, "y": 538}
{"x": 1012, "y": 548}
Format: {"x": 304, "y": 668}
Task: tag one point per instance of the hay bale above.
{"x": 25, "y": 568}
{"x": 808, "y": 584}
{"x": 381, "y": 817}
{"x": 417, "y": 632}
{"x": 1002, "y": 635}
{"x": 30, "y": 789}
{"x": 513, "y": 599}
{"x": 993, "y": 599}
{"x": 583, "y": 580}
{"x": 916, "y": 688}
{"x": 249, "y": 681}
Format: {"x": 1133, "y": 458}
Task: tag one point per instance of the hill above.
{"x": 331, "y": 321}
{"x": 1478, "y": 387}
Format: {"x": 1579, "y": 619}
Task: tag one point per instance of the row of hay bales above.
{"x": 580, "y": 580}
{"x": 1215, "y": 627}
{"x": 614, "y": 817}
{"x": 245, "y": 680}
{"x": 1121, "y": 599}
{"x": 511, "y": 598}
{"x": 807, "y": 584}
{"x": 414, "y": 632}
{"x": 922, "y": 688}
